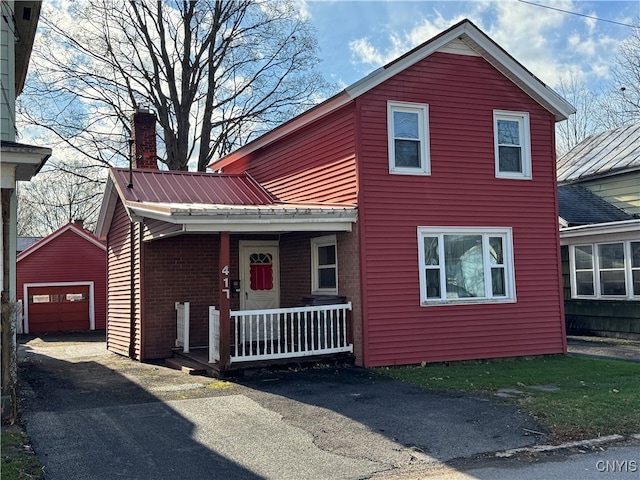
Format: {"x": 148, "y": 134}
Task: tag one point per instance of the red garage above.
{"x": 62, "y": 282}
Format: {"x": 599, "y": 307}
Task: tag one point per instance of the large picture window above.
{"x": 324, "y": 268}
{"x": 464, "y": 264}
{"x": 408, "y": 130}
{"x": 605, "y": 270}
{"x": 512, "y": 145}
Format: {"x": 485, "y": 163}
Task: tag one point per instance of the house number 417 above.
{"x": 225, "y": 281}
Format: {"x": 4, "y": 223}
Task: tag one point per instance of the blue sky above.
{"x": 356, "y": 37}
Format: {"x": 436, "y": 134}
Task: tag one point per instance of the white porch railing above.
{"x": 289, "y": 332}
{"x": 182, "y": 333}
{"x": 282, "y": 333}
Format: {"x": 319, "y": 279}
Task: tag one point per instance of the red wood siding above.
{"x": 120, "y": 241}
{"x": 462, "y": 92}
{"x": 67, "y": 258}
{"x": 315, "y": 164}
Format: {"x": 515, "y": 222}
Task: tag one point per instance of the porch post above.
{"x": 224, "y": 294}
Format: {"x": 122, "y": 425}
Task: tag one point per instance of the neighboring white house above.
{"x": 18, "y": 162}
{"x": 599, "y": 200}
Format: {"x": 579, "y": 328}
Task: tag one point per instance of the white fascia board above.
{"x": 107, "y": 208}
{"x": 266, "y": 226}
{"x": 251, "y": 220}
{"x": 631, "y": 227}
{"x": 26, "y": 160}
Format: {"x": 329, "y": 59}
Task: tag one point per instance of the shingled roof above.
{"x": 602, "y": 154}
{"x": 579, "y": 206}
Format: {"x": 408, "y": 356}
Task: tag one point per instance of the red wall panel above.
{"x": 317, "y": 163}
{"x": 462, "y": 92}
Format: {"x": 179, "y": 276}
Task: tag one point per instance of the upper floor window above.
{"x": 605, "y": 270}
{"x": 465, "y": 264}
{"x": 324, "y": 268}
{"x": 512, "y": 144}
{"x": 408, "y": 130}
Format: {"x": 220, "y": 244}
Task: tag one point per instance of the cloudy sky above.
{"x": 356, "y": 37}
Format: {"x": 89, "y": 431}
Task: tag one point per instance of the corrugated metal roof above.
{"x": 579, "y": 206}
{"x": 157, "y": 186}
{"x": 602, "y": 154}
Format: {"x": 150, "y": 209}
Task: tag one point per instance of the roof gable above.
{"x": 602, "y": 154}
{"x": 69, "y": 227}
{"x": 463, "y": 38}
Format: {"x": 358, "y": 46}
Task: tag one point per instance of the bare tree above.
{"x": 217, "y": 73}
{"x": 621, "y": 105}
{"x": 58, "y": 196}
{"x": 582, "y": 123}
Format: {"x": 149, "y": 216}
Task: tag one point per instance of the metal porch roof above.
{"x": 206, "y": 202}
{"x": 156, "y": 186}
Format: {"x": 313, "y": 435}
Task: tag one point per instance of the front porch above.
{"x": 267, "y": 337}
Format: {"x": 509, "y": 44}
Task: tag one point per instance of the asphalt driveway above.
{"x": 96, "y": 415}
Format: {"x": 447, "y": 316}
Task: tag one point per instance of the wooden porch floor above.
{"x": 196, "y": 362}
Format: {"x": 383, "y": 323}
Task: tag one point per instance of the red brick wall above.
{"x": 295, "y": 275}
{"x": 144, "y": 135}
{"x": 349, "y": 284}
{"x": 178, "y": 269}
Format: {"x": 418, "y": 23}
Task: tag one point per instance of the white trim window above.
{"x": 512, "y": 144}
{"x": 324, "y": 265}
{"x": 605, "y": 270}
{"x": 408, "y": 135}
{"x": 465, "y": 265}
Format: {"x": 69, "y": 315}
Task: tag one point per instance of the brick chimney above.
{"x": 143, "y": 132}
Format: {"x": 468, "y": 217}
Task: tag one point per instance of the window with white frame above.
{"x": 512, "y": 144}
{"x": 605, "y": 270}
{"x": 465, "y": 265}
{"x": 408, "y": 130}
{"x": 324, "y": 265}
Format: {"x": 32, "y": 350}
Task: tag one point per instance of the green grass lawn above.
{"x": 18, "y": 461}
{"x": 594, "y": 396}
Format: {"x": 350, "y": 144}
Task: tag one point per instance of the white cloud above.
{"x": 547, "y": 42}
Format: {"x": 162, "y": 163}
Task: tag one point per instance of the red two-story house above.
{"x": 411, "y": 217}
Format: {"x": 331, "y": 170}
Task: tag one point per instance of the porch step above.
{"x": 185, "y": 366}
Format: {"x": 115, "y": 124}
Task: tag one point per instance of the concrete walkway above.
{"x": 604, "y": 347}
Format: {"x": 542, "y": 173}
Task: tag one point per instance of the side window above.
{"x": 408, "y": 132}
{"x": 512, "y": 144}
{"x": 605, "y": 270}
{"x": 324, "y": 265}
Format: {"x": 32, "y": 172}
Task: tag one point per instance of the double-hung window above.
{"x": 605, "y": 270}
{"x": 408, "y": 131}
{"x": 512, "y": 144}
{"x": 465, "y": 265}
{"x": 324, "y": 268}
